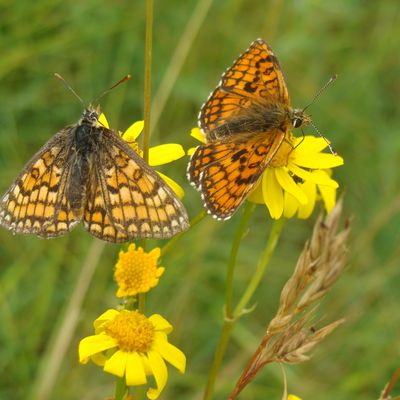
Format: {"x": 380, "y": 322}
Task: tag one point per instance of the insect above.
{"x": 245, "y": 120}
{"x": 88, "y": 172}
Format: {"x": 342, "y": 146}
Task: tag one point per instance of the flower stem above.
{"x": 121, "y": 389}
{"x": 232, "y": 317}
{"x": 146, "y": 117}
{"x": 218, "y": 357}
{"x": 147, "y": 79}
{"x": 261, "y": 267}
{"x": 228, "y": 321}
{"x": 240, "y": 232}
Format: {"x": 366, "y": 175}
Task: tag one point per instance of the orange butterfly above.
{"x": 87, "y": 172}
{"x": 245, "y": 120}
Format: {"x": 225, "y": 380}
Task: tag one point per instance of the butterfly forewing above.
{"x": 255, "y": 77}
{"x": 257, "y": 73}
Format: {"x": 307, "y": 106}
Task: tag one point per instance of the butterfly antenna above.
{"x": 326, "y": 140}
{"x": 124, "y": 79}
{"x": 320, "y": 91}
{"x": 68, "y": 86}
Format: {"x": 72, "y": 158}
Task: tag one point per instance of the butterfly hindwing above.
{"x": 35, "y": 202}
{"x": 127, "y": 199}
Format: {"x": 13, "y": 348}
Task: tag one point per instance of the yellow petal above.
{"x": 198, "y": 134}
{"x": 256, "y": 194}
{"x": 173, "y": 185}
{"x": 94, "y": 344}
{"x": 99, "y": 359}
{"x": 293, "y": 397}
{"x": 135, "y": 374}
{"x": 104, "y": 318}
{"x": 329, "y": 196}
{"x": 289, "y": 185}
{"x": 310, "y": 190}
{"x": 133, "y": 132}
{"x": 170, "y": 353}
{"x": 116, "y": 364}
{"x": 319, "y": 179}
{"x": 146, "y": 364}
{"x": 155, "y": 253}
{"x": 318, "y": 160}
{"x": 191, "y": 151}
{"x": 291, "y": 205}
{"x": 103, "y": 121}
{"x": 272, "y": 193}
{"x": 165, "y": 153}
{"x": 310, "y": 144}
{"x": 160, "y": 373}
{"x": 160, "y": 323}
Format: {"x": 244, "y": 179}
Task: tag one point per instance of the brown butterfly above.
{"x": 88, "y": 172}
{"x": 245, "y": 120}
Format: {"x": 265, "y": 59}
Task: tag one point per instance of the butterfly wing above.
{"x": 254, "y": 77}
{"x": 36, "y": 201}
{"x": 226, "y": 172}
{"x": 127, "y": 199}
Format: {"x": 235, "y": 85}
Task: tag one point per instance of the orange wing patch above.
{"x": 226, "y": 172}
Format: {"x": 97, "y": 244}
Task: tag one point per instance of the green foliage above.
{"x": 93, "y": 44}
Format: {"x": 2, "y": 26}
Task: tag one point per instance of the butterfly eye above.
{"x": 297, "y": 122}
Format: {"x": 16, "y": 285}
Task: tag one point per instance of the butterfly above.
{"x": 245, "y": 121}
{"x": 87, "y": 172}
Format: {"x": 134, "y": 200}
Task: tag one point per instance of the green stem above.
{"x": 121, "y": 390}
{"x": 172, "y": 242}
{"x": 231, "y": 318}
{"x": 240, "y": 232}
{"x": 218, "y": 357}
{"x": 261, "y": 267}
{"x": 142, "y": 302}
{"x": 228, "y": 321}
{"x": 146, "y": 141}
{"x": 147, "y": 79}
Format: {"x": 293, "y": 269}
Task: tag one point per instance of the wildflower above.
{"x": 130, "y": 345}
{"x": 293, "y": 397}
{"x": 136, "y": 271}
{"x": 298, "y": 175}
{"x": 158, "y": 155}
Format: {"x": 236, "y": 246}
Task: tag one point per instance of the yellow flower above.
{"x": 128, "y": 344}
{"x": 158, "y": 155}
{"x": 298, "y": 176}
{"x": 293, "y": 397}
{"x": 136, "y": 271}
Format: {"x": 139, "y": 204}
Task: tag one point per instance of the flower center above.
{"x": 281, "y": 158}
{"x": 136, "y": 271}
{"x": 133, "y": 331}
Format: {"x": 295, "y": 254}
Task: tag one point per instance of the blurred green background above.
{"x": 93, "y": 44}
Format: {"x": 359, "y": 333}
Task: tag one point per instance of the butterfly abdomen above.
{"x": 83, "y": 146}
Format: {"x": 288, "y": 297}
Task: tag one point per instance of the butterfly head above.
{"x": 91, "y": 116}
{"x": 299, "y": 118}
